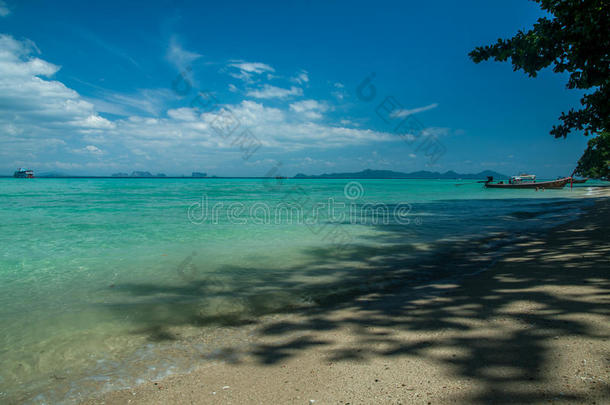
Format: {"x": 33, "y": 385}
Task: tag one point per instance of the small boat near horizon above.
{"x": 527, "y": 181}
{"x": 24, "y": 174}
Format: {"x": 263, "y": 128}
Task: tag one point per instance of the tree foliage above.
{"x": 595, "y": 162}
{"x": 574, "y": 39}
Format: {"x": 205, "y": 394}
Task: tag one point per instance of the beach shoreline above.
{"x": 532, "y": 328}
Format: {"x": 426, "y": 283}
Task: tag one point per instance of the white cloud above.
{"x": 149, "y": 101}
{"x": 339, "y": 92}
{"x": 438, "y": 131}
{"x": 403, "y": 112}
{"x": 89, "y": 149}
{"x": 39, "y": 116}
{"x": 180, "y": 57}
{"x": 4, "y": 10}
{"x": 252, "y": 67}
{"x": 301, "y": 77}
{"x": 348, "y": 122}
{"x": 94, "y": 122}
{"x": 186, "y": 131}
{"x": 247, "y": 70}
{"x": 35, "y": 104}
{"x": 93, "y": 149}
{"x": 183, "y": 114}
{"x": 307, "y": 105}
{"x": 49, "y": 124}
{"x": 269, "y": 91}
{"x": 311, "y": 109}
{"x": 308, "y": 162}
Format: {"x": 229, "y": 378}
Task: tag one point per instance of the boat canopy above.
{"x": 524, "y": 177}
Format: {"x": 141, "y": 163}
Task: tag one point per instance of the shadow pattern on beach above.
{"x": 379, "y": 293}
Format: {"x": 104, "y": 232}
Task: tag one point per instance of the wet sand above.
{"x": 533, "y": 328}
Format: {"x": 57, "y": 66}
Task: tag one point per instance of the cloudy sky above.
{"x": 237, "y": 88}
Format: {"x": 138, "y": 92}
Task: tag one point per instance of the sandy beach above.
{"x": 534, "y": 327}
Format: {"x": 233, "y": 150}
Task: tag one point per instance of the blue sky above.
{"x": 238, "y": 88}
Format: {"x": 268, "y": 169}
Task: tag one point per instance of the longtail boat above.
{"x": 579, "y": 181}
{"x": 527, "y": 181}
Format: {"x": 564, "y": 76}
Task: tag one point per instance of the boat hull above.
{"x": 536, "y": 185}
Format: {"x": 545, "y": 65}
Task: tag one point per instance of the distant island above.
{"x": 365, "y": 174}
{"x": 389, "y": 174}
{"x": 138, "y": 174}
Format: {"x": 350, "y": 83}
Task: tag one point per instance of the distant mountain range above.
{"x": 389, "y": 174}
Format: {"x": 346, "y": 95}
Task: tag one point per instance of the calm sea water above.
{"x": 104, "y": 282}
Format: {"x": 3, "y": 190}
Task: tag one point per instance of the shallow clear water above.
{"x": 105, "y": 281}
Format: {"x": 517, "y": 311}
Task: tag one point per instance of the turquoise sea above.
{"x": 106, "y": 282}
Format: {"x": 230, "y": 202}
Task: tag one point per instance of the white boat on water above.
{"x": 24, "y": 173}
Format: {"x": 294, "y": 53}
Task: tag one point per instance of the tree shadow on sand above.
{"x": 397, "y": 307}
